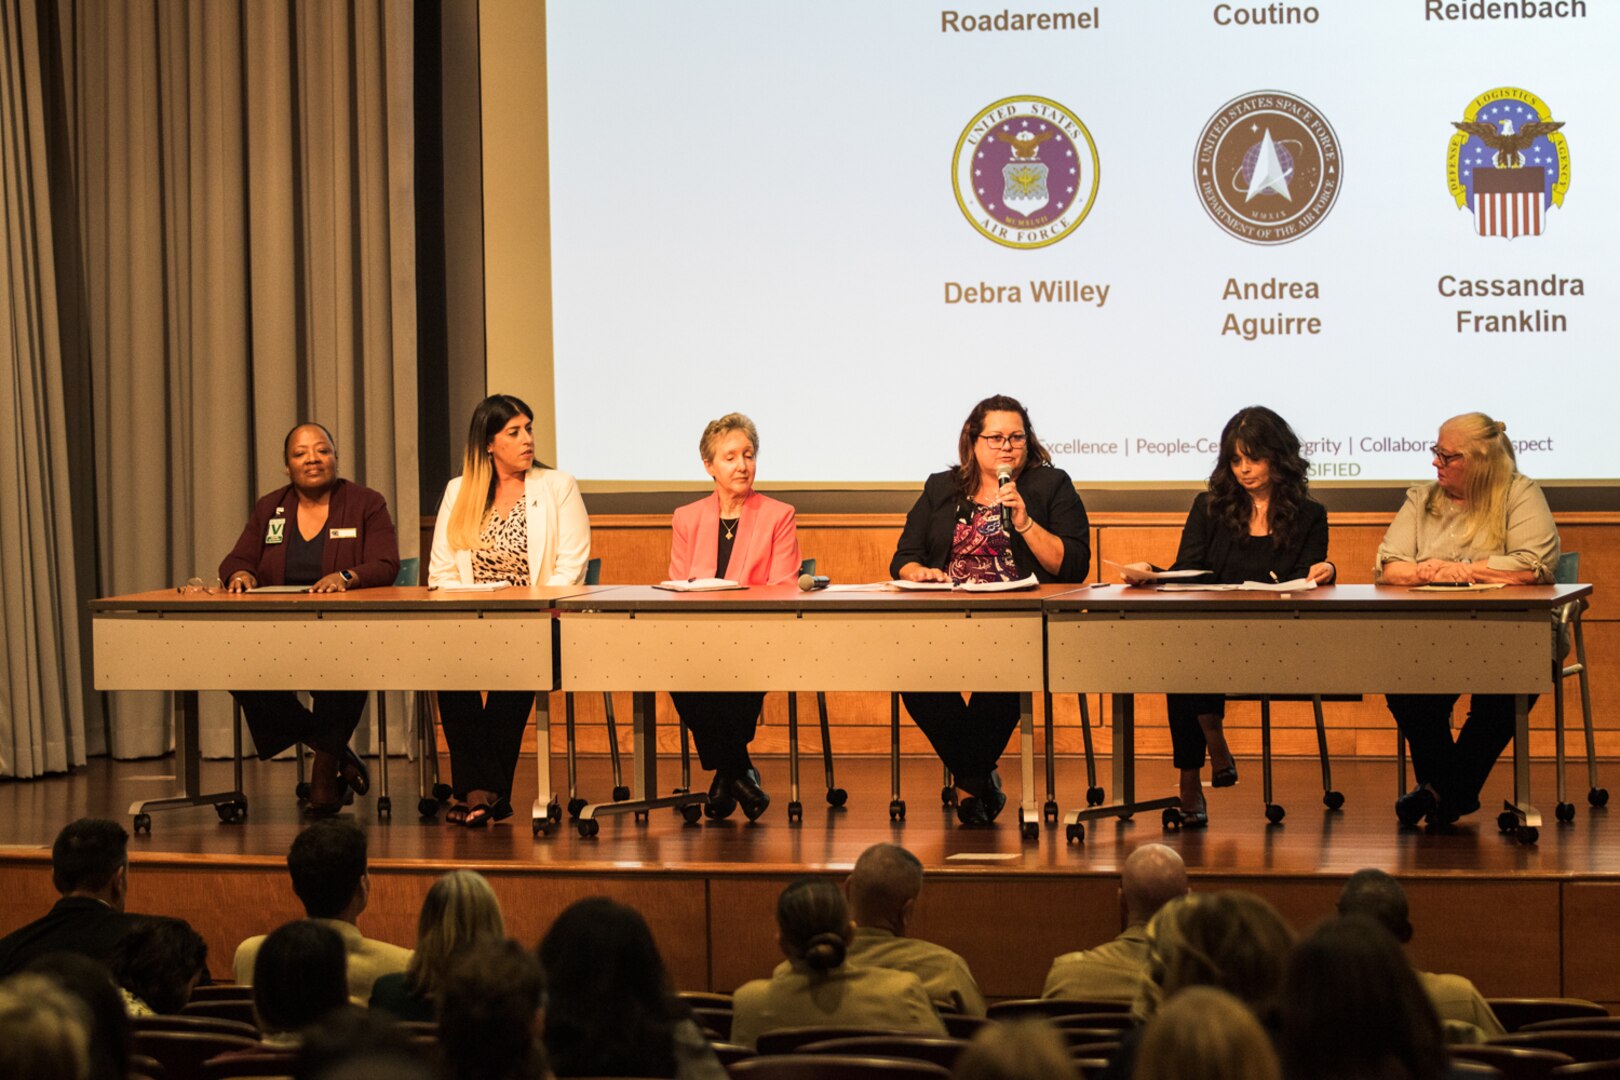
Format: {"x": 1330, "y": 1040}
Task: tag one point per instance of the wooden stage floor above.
{"x": 1520, "y": 920}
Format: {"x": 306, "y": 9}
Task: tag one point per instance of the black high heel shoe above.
{"x": 1226, "y": 776}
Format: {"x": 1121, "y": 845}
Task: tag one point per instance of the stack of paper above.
{"x": 702, "y": 584}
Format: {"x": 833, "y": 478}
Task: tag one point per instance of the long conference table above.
{"x": 1346, "y": 639}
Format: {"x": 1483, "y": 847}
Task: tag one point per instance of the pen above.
{"x": 1275, "y": 579}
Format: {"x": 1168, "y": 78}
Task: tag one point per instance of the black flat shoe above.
{"x": 992, "y": 796}
{"x": 329, "y": 809}
{"x": 353, "y": 772}
{"x": 720, "y": 804}
{"x": 971, "y": 813}
{"x": 1224, "y": 777}
{"x": 749, "y": 795}
{"x": 1416, "y": 805}
{"x": 1449, "y": 812}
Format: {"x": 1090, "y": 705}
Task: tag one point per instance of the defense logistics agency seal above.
{"x": 1025, "y": 171}
{"x": 1508, "y": 162}
{"x": 1268, "y": 167}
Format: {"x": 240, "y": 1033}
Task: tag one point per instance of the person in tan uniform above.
{"x": 819, "y": 988}
{"x": 1380, "y": 897}
{"x": 1153, "y": 875}
{"x": 327, "y": 863}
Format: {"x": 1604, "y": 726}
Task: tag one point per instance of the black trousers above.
{"x": 968, "y": 736}
{"x": 277, "y": 719}
{"x": 722, "y": 726}
{"x": 1186, "y": 734}
{"x": 1457, "y": 770}
{"x": 484, "y": 737}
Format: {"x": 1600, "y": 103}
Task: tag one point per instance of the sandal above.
{"x": 1195, "y": 819}
{"x": 500, "y": 809}
{"x": 479, "y": 816}
{"x": 456, "y": 815}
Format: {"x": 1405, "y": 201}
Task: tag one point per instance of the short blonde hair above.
{"x": 44, "y": 1030}
{"x": 719, "y": 429}
{"x": 460, "y": 910}
{"x": 1203, "y": 1033}
{"x": 1491, "y": 468}
{"x": 1022, "y": 1050}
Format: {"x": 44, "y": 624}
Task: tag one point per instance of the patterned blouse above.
{"x": 503, "y": 553}
{"x": 980, "y": 549}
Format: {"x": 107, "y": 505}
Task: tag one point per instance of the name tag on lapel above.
{"x": 343, "y": 534}
{"x": 276, "y": 532}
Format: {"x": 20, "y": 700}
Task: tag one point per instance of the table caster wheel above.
{"x": 588, "y": 827}
{"x": 1564, "y": 812}
{"x": 143, "y": 824}
{"x": 575, "y": 805}
{"x": 231, "y": 813}
{"x": 1029, "y": 830}
{"x": 442, "y": 792}
{"x": 837, "y": 797}
{"x": 621, "y": 793}
{"x": 385, "y": 807}
{"x": 541, "y": 825}
{"x": 795, "y": 813}
{"x": 1171, "y": 818}
{"x": 641, "y": 817}
{"x": 1275, "y": 813}
{"x": 897, "y": 810}
{"x": 1506, "y": 821}
{"x": 1075, "y": 834}
{"x": 691, "y": 813}
{"x": 301, "y": 791}
{"x": 1598, "y": 796}
{"x": 427, "y": 809}
{"x": 1095, "y": 796}
{"x": 1333, "y": 800}
{"x": 947, "y": 796}
{"x": 1529, "y": 834}
{"x": 1049, "y": 811}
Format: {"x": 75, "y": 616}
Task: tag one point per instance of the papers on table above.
{"x": 1139, "y": 577}
{"x": 279, "y": 588}
{"x": 1459, "y": 586}
{"x": 702, "y": 584}
{"x": 1296, "y": 585}
{"x": 920, "y": 586}
{"x": 475, "y": 586}
{"x": 964, "y": 586}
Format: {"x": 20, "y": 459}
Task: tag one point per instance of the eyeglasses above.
{"x": 1448, "y": 460}
{"x": 197, "y": 585}
{"x": 1015, "y": 440}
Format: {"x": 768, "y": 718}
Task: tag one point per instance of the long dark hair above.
{"x": 613, "y": 1009}
{"x": 1263, "y": 436}
{"x": 478, "y": 479}
{"x": 813, "y": 918}
{"x": 967, "y": 468}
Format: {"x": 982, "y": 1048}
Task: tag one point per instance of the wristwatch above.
{"x": 348, "y": 578}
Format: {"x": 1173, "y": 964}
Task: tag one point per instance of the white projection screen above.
{"x": 853, "y": 219}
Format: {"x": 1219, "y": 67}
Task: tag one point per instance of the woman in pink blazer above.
{"x": 742, "y": 536}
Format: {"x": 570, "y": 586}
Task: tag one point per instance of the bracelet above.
{"x": 1025, "y": 529}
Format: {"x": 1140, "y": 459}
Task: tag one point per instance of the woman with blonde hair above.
{"x": 1024, "y": 1050}
{"x": 1479, "y": 520}
{"x": 44, "y": 1030}
{"x": 459, "y": 911}
{"x": 509, "y": 518}
{"x": 1205, "y": 1034}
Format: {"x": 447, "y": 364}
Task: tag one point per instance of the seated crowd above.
{"x": 1216, "y": 984}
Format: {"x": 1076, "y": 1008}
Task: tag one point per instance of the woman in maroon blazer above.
{"x": 331, "y": 535}
{"x": 738, "y": 534}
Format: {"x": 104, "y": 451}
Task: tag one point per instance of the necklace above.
{"x": 729, "y": 526}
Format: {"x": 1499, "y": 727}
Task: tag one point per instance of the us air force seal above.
{"x": 1025, "y": 171}
{"x": 1268, "y": 167}
{"x": 1508, "y": 162}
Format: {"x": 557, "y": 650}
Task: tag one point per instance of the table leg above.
{"x": 1520, "y": 812}
{"x": 1124, "y": 766}
{"x": 644, "y": 775}
{"x": 547, "y": 812}
{"x": 231, "y": 806}
{"x": 1029, "y": 811}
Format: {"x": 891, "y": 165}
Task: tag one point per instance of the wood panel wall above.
{"x": 634, "y": 549}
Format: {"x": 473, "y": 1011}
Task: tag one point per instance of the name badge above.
{"x": 277, "y": 531}
{"x": 343, "y": 534}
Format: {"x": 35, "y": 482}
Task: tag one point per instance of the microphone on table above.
{"x": 812, "y": 582}
{"x": 1003, "y": 478}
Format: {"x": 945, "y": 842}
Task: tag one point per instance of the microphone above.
{"x": 812, "y": 582}
{"x": 1003, "y": 478}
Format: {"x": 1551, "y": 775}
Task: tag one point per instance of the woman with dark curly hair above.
{"x": 1256, "y": 522}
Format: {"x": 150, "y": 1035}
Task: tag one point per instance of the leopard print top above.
{"x": 503, "y": 553}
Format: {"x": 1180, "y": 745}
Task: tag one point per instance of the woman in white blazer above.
{"x": 505, "y": 518}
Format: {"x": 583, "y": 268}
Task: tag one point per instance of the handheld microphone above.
{"x": 812, "y": 582}
{"x": 1003, "y": 478}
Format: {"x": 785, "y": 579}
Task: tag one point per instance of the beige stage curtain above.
{"x": 245, "y": 200}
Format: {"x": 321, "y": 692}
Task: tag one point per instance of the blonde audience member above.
{"x": 1025, "y": 1050}
{"x": 1116, "y": 970}
{"x": 44, "y": 1031}
{"x": 1205, "y": 1034}
{"x": 459, "y": 911}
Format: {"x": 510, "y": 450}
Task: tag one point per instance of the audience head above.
{"x": 1205, "y": 1034}
{"x": 612, "y": 1007}
{"x": 489, "y": 1014}
{"x": 1153, "y": 876}
{"x": 812, "y": 923}
{"x": 460, "y": 910}
{"x": 883, "y": 887}
{"x": 300, "y": 975}
{"x": 91, "y": 858}
{"x": 327, "y": 862}
{"x": 1352, "y": 1007}
{"x": 1022, "y": 1050}
{"x": 92, "y": 984}
{"x": 159, "y": 961}
{"x": 44, "y": 1031}
{"x": 354, "y": 1044}
{"x": 1379, "y": 897}
{"x": 1230, "y": 940}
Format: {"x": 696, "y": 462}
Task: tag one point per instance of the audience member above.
{"x": 1152, "y": 876}
{"x": 92, "y": 984}
{"x": 299, "y": 977}
{"x": 460, "y": 910}
{"x": 1380, "y": 897}
{"x": 819, "y": 989}
{"x": 490, "y": 1015}
{"x": 882, "y": 890}
{"x": 355, "y": 1044}
{"x": 90, "y": 868}
{"x": 157, "y": 965}
{"x": 44, "y": 1031}
{"x": 1024, "y": 1050}
{"x": 327, "y": 863}
{"x": 613, "y": 1009}
{"x": 1352, "y": 1009}
{"x": 1205, "y": 1034}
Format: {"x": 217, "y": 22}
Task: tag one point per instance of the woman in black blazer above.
{"x": 970, "y": 525}
{"x": 1256, "y": 522}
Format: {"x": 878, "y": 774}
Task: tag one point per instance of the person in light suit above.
{"x": 506, "y": 518}
{"x": 740, "y": 535}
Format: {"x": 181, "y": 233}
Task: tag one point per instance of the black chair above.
{"x": 1515, "y": 1013}
{"x": 730, "y": 1053}
{"x": 713, "y": 1019}
{"x": 1331, "y": 798}
{"x": 1107, "y": 1021}
{"x": 835, "y": 1067}
{"x": 909, "y": 1047}
{"x": 1049, "y": 1008}
{"x": 194, "y": 1025}
{"x": 182, "y": 1053}
{"x": 1512, "y": 1062}
{"x": 788, "y": 1040}
{"x": 1579, "y": 1045}
{"x": 269, "y": 1063}
{"x": 1588, "y": 1070}
{"x": 1574, "y": 1023}
{"x": 958, "y": 1026}
{"x": 237, "y": 1009}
